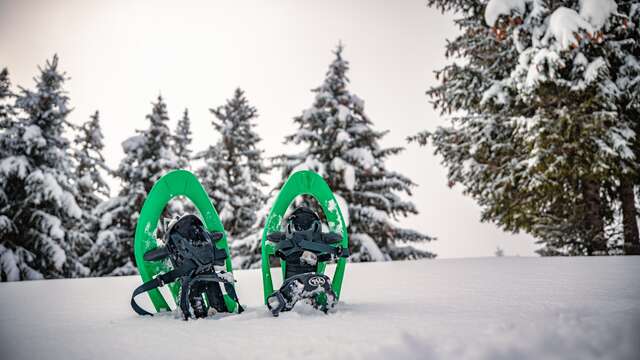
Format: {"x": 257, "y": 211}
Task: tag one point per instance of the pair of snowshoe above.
{"x": 194, "y": 261}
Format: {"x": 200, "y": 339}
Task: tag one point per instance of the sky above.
{"x": 120, "y": 55}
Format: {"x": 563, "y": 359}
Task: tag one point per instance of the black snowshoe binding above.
{"x": 193, "y": 254}
{"x": 303, "y": 245}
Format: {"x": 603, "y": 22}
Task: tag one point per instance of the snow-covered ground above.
{"x": 488, "y": 308}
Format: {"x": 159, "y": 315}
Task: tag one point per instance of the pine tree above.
{"x": 182, "y": 140}
{"x": 92, "y": 187}
{"x": 233, "y": 170}
{"x": 148, "y": 156}
{"x": 90, "y": 165}
{"x": 341, "y": 145}
{"x": 37, "y": 199}
{"x": 537, "y": 139}
{"x": 6, "y": 96}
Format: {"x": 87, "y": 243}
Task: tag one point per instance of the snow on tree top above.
{"x": 495, "y": 8}
{"x": 597, "y": 11}
{"x": 133, "y": 143}
{"x": 564, "y": 24}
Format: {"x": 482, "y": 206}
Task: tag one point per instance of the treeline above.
{"x": 58, "y": 220}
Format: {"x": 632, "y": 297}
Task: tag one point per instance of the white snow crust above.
{"x": 487, "y": 308}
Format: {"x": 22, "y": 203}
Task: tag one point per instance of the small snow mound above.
{"x": 133, "y": 143}
{"x": 33, "y": 133}
{"x": 495, "y": 8}
{"x": 15, "y": 165}
{"x": 564, "y": 24}
{"x": 597, "y": 12}
{"x": 594, "y": 69}
{"x": 369, "y": 245}
{"x": 343, "y": 112}
{"x": 495, "y": 92}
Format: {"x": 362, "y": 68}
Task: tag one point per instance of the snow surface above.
{"x": 489, "y": 308}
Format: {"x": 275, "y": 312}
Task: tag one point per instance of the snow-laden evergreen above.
{"x": 6, "y": 96}
{"x": 148, "y": 156}
{"x": 182, "y": 140}
{"x": 341, "y": 144}
{"x": 545, "y": 105}
{"x": 90, "y": 165}
{"x": 37, "y": 194}
{"x": 91, "y": 184}
{"x": 233, "y": 170}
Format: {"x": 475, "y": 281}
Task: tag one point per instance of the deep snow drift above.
{"x": 520, "y": 308}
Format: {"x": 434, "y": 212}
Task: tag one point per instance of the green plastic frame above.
{"x": 172, "y": 184}
{"x": 303, "y": 182}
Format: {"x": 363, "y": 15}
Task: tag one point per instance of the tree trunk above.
{"x": 595, "y": 240}
{"x": 629, "y": 220}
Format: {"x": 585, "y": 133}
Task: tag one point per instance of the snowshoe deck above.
{"x": 174, "y": 183}
{"x": 303, "y": 182}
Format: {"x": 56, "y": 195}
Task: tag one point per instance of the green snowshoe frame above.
{"x": 172, "y": 184}
{"x": 303, "y": 182}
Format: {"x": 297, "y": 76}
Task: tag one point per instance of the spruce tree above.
{"x": 91, "y": 186}
{"x": 148, "y": 156}
{"x": 538, "y": 137}
{"x": 6, "y": 96}
{"x": 90, "y": 164}
{"x": 182, "y": 140}
{"x": 233, "y": 170}
{"x": 37, "y": 196}
{"x": 341, "y": 144}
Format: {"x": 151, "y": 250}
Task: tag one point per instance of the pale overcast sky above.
{"x": 121, "y": 54}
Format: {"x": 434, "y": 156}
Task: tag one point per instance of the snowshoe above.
{"x": 303, "y": 248}
{"x": 194, "y": 261}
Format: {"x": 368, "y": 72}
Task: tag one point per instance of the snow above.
{"x": 593, "y": 70}
{"x": 344, "y": 208}
{"x": 15, "y": 165}
{"x": 133, "y": 143}
{"x": 309, "y": 164}
{"x": 491, "y": 308}
{"x": 564, "y": 24}
{"x": 369, "y": 245}
{"x": 343, "y": 137}
{"x": 33, "y": 133}
{"x": 363, "y": 156}
{"x": 597, "y": 11}
{"x": 343, "y": 112}
{"x": 495, "y": 8}
{"x": 8, "y": 264}
{"x": 49, "y": 188}
{"x": 496, "y": 92}
{"x": 348, "y": 172}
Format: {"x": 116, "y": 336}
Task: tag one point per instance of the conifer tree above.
{"x": 37, "y": 197}
{"x": 341, "y": 144}
{"x": 182, "y": 140}
{"x": 235, "y": 166}
{"x": 6, "y": 97}
{"x": 90, "y": 164}
{"x": 91, "y": 186}
{"x": 148, "y": 156}
{"x": 542, "y": 97}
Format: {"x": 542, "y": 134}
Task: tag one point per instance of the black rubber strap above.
{"x": 157, "y": 282}
{"x": 228, "y": 286}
